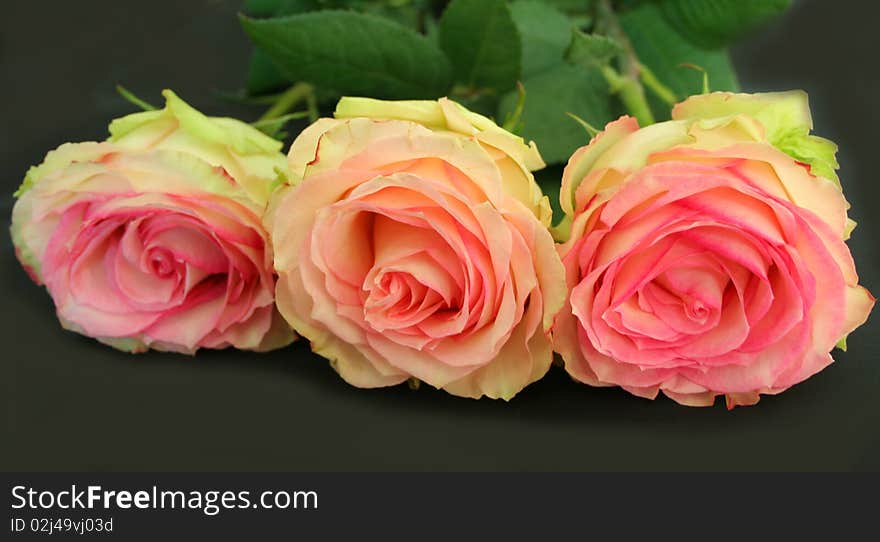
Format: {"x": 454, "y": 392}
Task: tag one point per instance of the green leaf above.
{"x": 592, "y": 50}
{"x": 545, "y": 34}
{"x": 660, "y": 47}
{"x": 482, "y": 42}
{"x": 715, "y": 23}
{"x": 580, "y": 12}
{"x": 571, "y": 6}
{"x": 552, "y": 94}
{"x": 406, "y": 12}
{"x": 353, "y": 53}
{"x": 262, "y": 75}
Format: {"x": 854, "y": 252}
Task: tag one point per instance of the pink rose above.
{"x": 414, "y": 247}
{"x": 154, "y": 239}
{"x": 702, "y": 259}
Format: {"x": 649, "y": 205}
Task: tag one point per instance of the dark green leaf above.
{"x": 571, "y": 6}
{"x": 660, "y": 47}
{"x": 552, "y": 94}
{"x": 593, "y": 50}
{"x": 715, "y": 23}
{"x": 484, "y": 104}
{"x": 407, "y": 13}
{"x": 242, "y": 98}
{"x": 353, "y": 53}
{"x": 545, "y": 34}
{"x": 482, "y": 42}
{"x": 262, "y": 75}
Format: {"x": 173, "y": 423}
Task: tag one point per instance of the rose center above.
{"x": 161, "y": 262}
{"x": 397, "y": 299}
{"x": 695, "y": 309}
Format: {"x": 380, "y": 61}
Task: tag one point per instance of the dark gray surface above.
{"x": 73, "y": 404}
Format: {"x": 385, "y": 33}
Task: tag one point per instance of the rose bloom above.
{"x": 416, "y": 245}
{"x": 706, "y": 254}
{"x": 154, "y": 238}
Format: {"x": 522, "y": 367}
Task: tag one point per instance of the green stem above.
{"x": 287, "y": 101}
{"x": 130, "y": 97}
{"x": 633, "y": 97}
{"x": 631, "y": 94}
{"x": 627, "y": 82}
{"x": 312, "y": 107}
{"x": 584, "y": 124}
{"x": 702, "y": 70}
{"x": 512, "y": 121}
{"x": 659, "y": 89}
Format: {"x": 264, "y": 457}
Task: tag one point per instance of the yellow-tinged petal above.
{"x": 447, "y": 116}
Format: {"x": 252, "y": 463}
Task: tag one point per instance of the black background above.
{"x": 72, "y": 404}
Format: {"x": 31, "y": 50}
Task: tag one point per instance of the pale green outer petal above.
{"x": 23, "y": 240}
{"x": 62, "y": 157}
{"x": 785, "y": 117}
{"x": 850, "y": 226}
{"x": 253, "y": 159}
{"x": 242, "y": 137}
{"x": 424, "y": 112}
{"x": 246, "y": 139}
{"x": 779, "y": 112}
{"x": 21, "y": 214}
{"x": 127, "y": 125}
{"x": 717, "y": 133}
{"x": 817, "y": 151}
